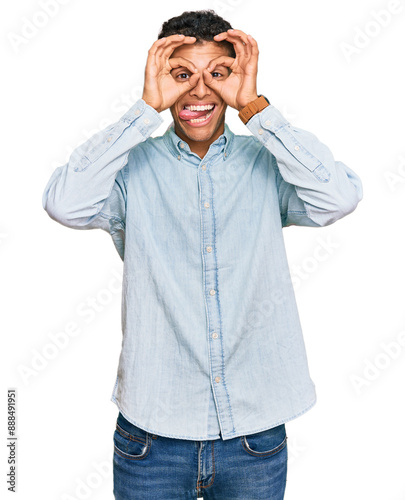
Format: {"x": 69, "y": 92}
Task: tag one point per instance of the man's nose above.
{"x": 201, "y": 89}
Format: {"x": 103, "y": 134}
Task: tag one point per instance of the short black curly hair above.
{"x": 203, "y": 24}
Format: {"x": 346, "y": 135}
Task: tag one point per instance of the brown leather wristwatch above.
{"x": 246, "y": 113}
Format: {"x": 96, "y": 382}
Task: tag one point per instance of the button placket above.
{"x": 212, "y": 292}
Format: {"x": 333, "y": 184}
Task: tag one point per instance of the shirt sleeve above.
{"x": 90, "y": 190}
{"x": 313, "y": 188}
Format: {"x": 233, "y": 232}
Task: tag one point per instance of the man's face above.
{"x": 209, "y": 124}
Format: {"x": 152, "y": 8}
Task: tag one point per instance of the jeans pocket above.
{"x": 265, "y": 443}
{"x": 131, "y": 442}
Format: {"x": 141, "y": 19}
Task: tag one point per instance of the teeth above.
{"x": 202, "y": 119}
{"x": 200, "y": 108}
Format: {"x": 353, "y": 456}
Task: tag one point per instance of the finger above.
{"x": 254, "y": 58}
{"x": 255, "y": 48}
{"x": 227, "y": 61}
{"x": 248, "y": 48}
{"x": 152, "y": 51}
{"x": 222, "y": 33}
{"x": 238, "y": 38}
{"x": 172, "y": 43}
{"x": 192, "y": 82}
{"x": 188, "y": 85}
{"x": 236, "y": 32}
{"x": 167, "y": 41}
{"x": 181, "y": 62}
{"x": 210, "y": 81}
{"x": 233, "y": 32}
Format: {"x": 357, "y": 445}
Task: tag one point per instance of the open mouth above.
{"x": 197, "y": 114}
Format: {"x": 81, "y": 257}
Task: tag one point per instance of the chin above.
{"x": 200, "y": 135}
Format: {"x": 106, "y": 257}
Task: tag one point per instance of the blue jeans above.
{"x": 151, "y": 467}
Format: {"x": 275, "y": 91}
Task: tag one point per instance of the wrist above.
{"x": 151, "y": 104}
{"x": 245, "y": 102}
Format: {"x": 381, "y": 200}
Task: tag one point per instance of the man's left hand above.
{"x": 239, "y": 88}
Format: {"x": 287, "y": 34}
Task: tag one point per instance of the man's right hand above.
{"x": 160, "y": 89}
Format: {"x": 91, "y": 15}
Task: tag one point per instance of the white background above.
{"x": 81, "y": 70}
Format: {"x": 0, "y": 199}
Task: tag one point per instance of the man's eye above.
{"x": 216, "y": 74}
{"x": 183, "y": 76}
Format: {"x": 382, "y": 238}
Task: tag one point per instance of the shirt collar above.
{"x": 179, "y": 148}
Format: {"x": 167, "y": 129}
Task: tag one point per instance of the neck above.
{"x": 200, "y": 148}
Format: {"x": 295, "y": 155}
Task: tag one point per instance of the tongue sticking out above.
{"x": 186, "y": 114}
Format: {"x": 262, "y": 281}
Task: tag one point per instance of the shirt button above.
{"x": 268, "y": 122}
{"x": 137, "y": 112}
{"x": 206, "y": 204}
{"x": 204, "y": 167}
{"x": 260, "y": 131}
{"x": 212, "y": 292}
{"x": 209, "y": 249}
{"x": 182, "y": 145}
{"x": 217, "y": 379}
{"x": 146, "y": 120}
{"x": 109, "y": 139}
{"x": 297, "y": 148}
{"x": 215, "y": 335}
{"x": 179, "y": 157}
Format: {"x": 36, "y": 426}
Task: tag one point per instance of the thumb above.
{"x": 211, "y": 82}
{"x": 189, "y": 85}
{"x": 193, "y": 80}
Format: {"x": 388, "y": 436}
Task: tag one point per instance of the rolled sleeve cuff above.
{"x": 268, "y": 121}
{"x": 146, "y": 118}
{"x": 270, "y": 124}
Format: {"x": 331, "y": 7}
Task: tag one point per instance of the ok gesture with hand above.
{"x": 239, "y": 88}
{"x": 160, "y": 89}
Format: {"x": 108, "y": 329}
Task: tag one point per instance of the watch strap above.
{"x": 254, "y": 107}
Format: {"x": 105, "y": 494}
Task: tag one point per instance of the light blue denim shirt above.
{"x": 212, "y": 344}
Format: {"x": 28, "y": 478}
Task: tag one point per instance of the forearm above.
{"x": 76, "y": 192}
{"x": 326, "y": 190}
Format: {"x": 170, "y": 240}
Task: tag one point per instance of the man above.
{"x": 213, "y": 361}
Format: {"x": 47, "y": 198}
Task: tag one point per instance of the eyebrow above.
{"x": 184, "y": 68}
{"x": 180, "y": 68}
{"x": 223, "y": 66}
